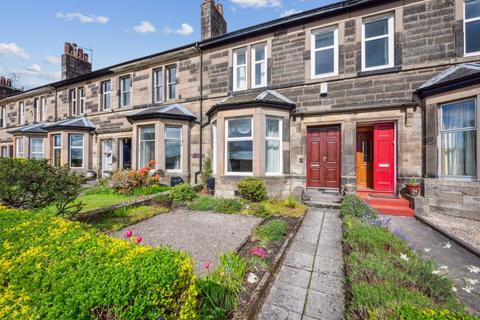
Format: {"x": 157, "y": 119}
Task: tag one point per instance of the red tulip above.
{"x": 128, "y": 233}
{"x": 206, "y": 265}
{"x": 138, "y": 239}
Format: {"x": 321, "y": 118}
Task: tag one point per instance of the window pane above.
{"x": 241, "y": 77}
{"x": 459, "y": 153}
{"x": 36, "y": 148}
{"x": 106, "y": 101}
{"x": 126, "y": 99}
{"x": 126, "y": 84}
{"x": 239, "y": 156}
{"x": 324, "y": 61}
{"x": 172, "y": 75}
{"x": 57, "y": 140}
{"x": 147, "y": 133}
{"x": 172, "y": 92}
{"x": 273, "y": 128}
{"x": 172, "y": 154}
{"x": 324, "y": 39}
{"x": 272, "y": 156}
{"x": 241, "y": 56}
{"x": 473, "y": 36}
{"x": 159, "y": 94}
{"x": 472, "y": 9}
{"x": 458, "y": 115}
{"x": 376, "y": 28}
{"x": 56, "y": 157}
{"x": 259, "y": 73}
{"x": 239, "y": 128}
{"x": 76, "y": 157}
{"x": 376, "y": 52}
{"x": 173, "y": 132}
{"x": 259, "y": 53}
{"x": 147, "y": 152}
{"x": 76, "y": 140}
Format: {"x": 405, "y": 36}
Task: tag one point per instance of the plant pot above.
{"x": 413, "y": 189}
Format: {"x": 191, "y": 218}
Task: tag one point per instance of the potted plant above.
{"x": 413, "y": 187}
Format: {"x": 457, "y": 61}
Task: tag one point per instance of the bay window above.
{"x": 458, "y": 139}
{"x": 106, "y": 95}
{"x": 172, "y": 82}
{"x": 273, "y": 146}
{"x": 173, "y": 148}
{"x": 18, "y": 147}
{"x": 240, "y": 69}
{"x": 57, "y": 150}
{"x": 259, "y": 65}
{"x": 76, "y": 150}
{"x": 378, "y": 43}
{"x": 147, "y": 145}
{"x": 125, "y": 86}
{"x": 158, "y": 85}
{"x": 472, "y": 27}
{"x": 239, "y": 145}
{"x": 324, "y": 53}
{"x": 36, "y": 148}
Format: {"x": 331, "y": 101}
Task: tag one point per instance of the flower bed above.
{"x": 52, "y": 268}
{"x": 385, "y": 278}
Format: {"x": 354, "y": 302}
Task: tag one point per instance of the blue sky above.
{"x": 33, "y": 31}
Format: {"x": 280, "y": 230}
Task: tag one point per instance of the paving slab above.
{"x": 205, "y": 235}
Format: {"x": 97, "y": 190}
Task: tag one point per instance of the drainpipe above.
{"x": 201, "y": 113}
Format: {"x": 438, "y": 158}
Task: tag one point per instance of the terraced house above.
{"x": 361, "y": 93}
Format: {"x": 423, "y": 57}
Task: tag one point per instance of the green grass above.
{"x": 120, "y": 218}
{"x": 205, "y": 203}
{"x": 274, "y": 230}
{"x": 208, "y": 203}
{"x": 97, "y": 201}
{"x": 280, "y": 208}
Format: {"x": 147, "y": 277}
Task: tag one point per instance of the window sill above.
{"x": 379, "y": 71}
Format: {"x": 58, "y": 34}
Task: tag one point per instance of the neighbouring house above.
{"x": 349, "y": 93}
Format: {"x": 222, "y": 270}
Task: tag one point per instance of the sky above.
{"x": 33, "y": 31}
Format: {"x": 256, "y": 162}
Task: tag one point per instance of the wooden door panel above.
{"x": 364, "y": 159}
{"x": 384, "y": 157}
{"x": 323, "y": 157}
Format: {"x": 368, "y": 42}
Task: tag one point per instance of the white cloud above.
{"x": 289, "y": 12}
{"x": 70, "y": 16}
{"x": 258, "y": 3}
{"x": 145, "y": 27}
{"x": 185, "y": 30}
{"x": 35, "y": 68}
{"x": 12, "y": 49}
{"x": 51, "y": 59}
{"x": 36, "y": 72}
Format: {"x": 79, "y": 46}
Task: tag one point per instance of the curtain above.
{"x": 458, "y": 115}
{"x": 459, "y": 153}
{"x": 272, "y": 147}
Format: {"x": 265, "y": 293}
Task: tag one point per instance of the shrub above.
{"x": 34, "y": 184}
{"x": 290, "y": 202}
{"x": 55, "y": 269}
{"x": 125, "y": 181}
{"x": 407, "y": 311}
{"x": 229, "y": 206}
{"x": 353, "y": 206}
{"x": 182, "y": 192}
{"x": 205, "y": 203}
{"x": 207, "y": 171}
{"x": 163, "y": 200}
{"x": 261, "y": 210}
{"x": 252, "y": 189}
{"x": 219, "y": 289}
{"x": 274, "y": 230}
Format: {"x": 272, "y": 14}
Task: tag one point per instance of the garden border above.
{"x": 455, "y": 239}
{"x": 258, "y": 296}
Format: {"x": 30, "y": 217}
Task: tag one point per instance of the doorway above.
{"x": 126, "y": 153}
{"x": 323, "y": 157}
{"x": 107, "y": 157}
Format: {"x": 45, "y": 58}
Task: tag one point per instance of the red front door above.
{"x": 384, "y": 157}
{"x": 323, "y": 157}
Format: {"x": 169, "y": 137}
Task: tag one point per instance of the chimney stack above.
{"x": 74, "y": 62}
{"x": 212, "y": 19}
{"x": 6, "y": 88}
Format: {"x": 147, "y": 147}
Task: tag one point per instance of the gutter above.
{"x": 354, "y": 109}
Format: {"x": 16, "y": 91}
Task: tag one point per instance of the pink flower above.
{"x": 138, "y": 239}
{"x": 222, "y": 274}
{"x": 128, "y": 233}
{"x": 206, "y": 265}
{"x": 258, "y": 251}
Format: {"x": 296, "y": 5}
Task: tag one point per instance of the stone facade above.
{"x": 427, "y": 40}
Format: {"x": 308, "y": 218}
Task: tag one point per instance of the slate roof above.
{"x": 81, "y": 123}
{"x": 455, "y": 77}
{"x": 173, "y": 111}
{"x": 31, "y": 128}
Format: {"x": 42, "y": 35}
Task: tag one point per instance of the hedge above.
{"x": 51, "y": 268}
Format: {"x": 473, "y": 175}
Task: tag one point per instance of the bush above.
{"x": 353, "y": 206}
{"x": 182, "y": 193}
{"x": 163, "y": 200}
{"x": 126, "y": 181}
{"x": 207, "y": 171}
{"x": 261, "y": 210}
{"x": 274, "y": 230}
{"x": 290, "y": 202}
{"x": 34, "y": 184}
{"x": 229, "y": 206}
{"x": 205, "y": 203}
{"x": 219, "y": 290}
{"x": 55, "y": 269}
{"x": 252, "y": 189}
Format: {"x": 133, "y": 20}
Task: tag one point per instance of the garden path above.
{"x": 310, "y": 283}
{"x": 205, "y": 235}
{"x": 453, "y": 260}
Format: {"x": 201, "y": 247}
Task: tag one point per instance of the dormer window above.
{"x": 378, "y": 43}
{"x": 472, "y": 27}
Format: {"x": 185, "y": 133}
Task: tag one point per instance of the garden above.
{"x": 60, "y": 261}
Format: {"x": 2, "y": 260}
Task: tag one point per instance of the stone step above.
{"x": 456, "y": 212}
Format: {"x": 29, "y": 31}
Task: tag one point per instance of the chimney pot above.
{"x": 220, "y": 8}
{"x": 80, "y": 53}
{"x": 9, "y": 83}
{"x": 2, "y": 81}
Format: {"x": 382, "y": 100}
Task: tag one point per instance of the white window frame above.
{"x": 125, "y": 92}
{"x": 81, "y": 98}
{"x": 21, "y": 113}
{"x": 236, "y": 66}
{"x": 314, "y": 50}
{"x": 70, "y": 147}
{"x": 54, "y": 148}
{"x": 227, "y": 139}
{"x": 255, "y": 62}
{"x": 40, "y": 153}
{"x": 19, "y": 152}
{"x": 36, "y": 110}
{"x": 391, "y": 41}
{"x": 43, "y": 105}
{"x": 172, "y": 83}
{"x": 105, "y": 93}
{"x": 157, "y": 85}
{"x": 140, "y": 140}
{"x": 3, "y": 115}
{"x": 439, "y": 139}
{"x": 72, "y": 96}
{"x": 465, "y": 21}
{"x": 214, "y": 147}
{"x": 280, "y": 139}
{"x": 181, "y": 147}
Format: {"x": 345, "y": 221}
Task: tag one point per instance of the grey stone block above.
{"x": 287, "y": 296}
{"x": 331, "y": 266}
{"x": 299, "y": 260}
{"x": 273, "y": 312}
{"x": 294, "y": 276}
{"x": 328, "y": 284}
{"x": 303, "y": 246}
{"x": 324, "y": 306}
